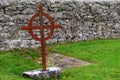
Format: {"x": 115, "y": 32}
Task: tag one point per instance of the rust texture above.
{"x": 42, "y": 39}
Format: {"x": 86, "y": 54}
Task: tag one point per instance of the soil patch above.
{"x": 63, "y": 61}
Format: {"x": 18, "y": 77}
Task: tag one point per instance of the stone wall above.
{"x": 79, "y": 20}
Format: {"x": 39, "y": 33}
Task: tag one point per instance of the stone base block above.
{"x": 40, "y": 74}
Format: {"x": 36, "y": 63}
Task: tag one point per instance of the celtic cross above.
{"x": 30, "y": 27}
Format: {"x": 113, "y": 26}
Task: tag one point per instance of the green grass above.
{"x": 104, "y": 54}
{"x": 13, "y": 63}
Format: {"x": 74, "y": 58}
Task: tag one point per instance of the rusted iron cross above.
{"x": 43, "y": 38}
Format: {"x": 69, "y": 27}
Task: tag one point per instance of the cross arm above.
{"x": 38, "y": 27}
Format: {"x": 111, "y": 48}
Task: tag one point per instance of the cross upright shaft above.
{"x": 42, "y": 38}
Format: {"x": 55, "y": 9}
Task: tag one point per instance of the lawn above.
{"x": 103, "y": 54}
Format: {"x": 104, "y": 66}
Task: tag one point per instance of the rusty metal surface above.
{"x": 41, "y": 27}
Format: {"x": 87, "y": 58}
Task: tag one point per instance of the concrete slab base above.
{"x": 39, "y": 74}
